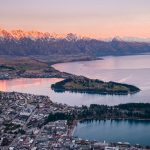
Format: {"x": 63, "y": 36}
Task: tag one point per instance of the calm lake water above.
{"x": 132, "y": 131}
{"x": 128, "y": 69}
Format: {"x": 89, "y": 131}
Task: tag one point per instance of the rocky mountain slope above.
{"x": 21, "y": 43}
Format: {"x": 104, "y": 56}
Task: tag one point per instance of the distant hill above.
{"x": 22, "y": 43}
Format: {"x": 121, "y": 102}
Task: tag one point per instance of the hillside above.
{"x": 22, "y": 43}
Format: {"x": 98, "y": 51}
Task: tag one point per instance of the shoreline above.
{"x": 53, "y": 73}
{"x": 34, "y": 100}
{"x": 104, "y": 119}
{"x": 119, "y": 119}
{"x": 58, "y": 73}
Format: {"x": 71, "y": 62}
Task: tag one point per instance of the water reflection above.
{"x": 27, "y": 84}
{"x": 130, "y": 69}
{"x": 132, "y": 131}
{"x": 3, "y": 86}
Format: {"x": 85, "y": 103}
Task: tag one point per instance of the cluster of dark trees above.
{"x": 133, "y": 106}
{"x": 93, "y": 86}
{"x": 60, "y": 116}
{"x": 4, "y": 67}
{"x": 95, "y": 111}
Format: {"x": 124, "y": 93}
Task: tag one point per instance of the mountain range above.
{"x": 22, "y": 43}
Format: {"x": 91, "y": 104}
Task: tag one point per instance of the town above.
{"x": 26, "y": 124}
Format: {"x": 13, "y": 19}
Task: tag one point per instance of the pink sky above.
{"x": 94, "y": 18}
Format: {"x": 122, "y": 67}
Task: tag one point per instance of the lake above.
{"x": 126, "y": 69}
{"x": 132, "y": 131}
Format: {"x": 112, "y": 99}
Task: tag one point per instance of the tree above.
{"x": 5, "y": 142}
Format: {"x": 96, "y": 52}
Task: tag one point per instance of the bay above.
{"x": 125, "y": 69}
{"x": 132, "y": 131}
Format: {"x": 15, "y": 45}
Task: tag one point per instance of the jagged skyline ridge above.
{"x": 90, "y": 18}
{"x": 33, "y": 34}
